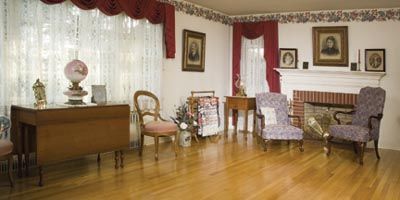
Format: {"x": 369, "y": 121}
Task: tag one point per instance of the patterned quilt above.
{"x": 208, "y": 116}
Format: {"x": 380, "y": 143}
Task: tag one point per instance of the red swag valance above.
{"x": 252, "y": 31}
{"x": 154, "y": 11}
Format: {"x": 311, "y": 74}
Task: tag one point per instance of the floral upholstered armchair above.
{"x": 273, "y": 119}
{"x": 365, "y": 122}
{"x": 6, "y": 146}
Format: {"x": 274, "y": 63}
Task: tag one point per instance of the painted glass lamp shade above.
{"x": 75, "y": 71}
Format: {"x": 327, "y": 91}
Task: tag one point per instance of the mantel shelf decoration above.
{"x": 75, "y": 71}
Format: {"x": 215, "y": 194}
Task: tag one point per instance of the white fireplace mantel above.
{"x": 327, "y": 81}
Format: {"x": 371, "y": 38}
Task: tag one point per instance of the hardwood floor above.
{"x": 225, "y": 168}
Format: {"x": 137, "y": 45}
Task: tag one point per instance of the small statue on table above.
{"x": 240, "y": 87}
{"x": 40, "y": 94}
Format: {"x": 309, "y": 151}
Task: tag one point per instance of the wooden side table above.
{"x": 239, "y": 103}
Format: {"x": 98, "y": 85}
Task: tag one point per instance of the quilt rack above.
{"x": 204, "y": 105}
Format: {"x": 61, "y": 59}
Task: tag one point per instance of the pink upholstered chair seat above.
{"x": 160, "y": 127}
{"x": 6, "y": 147}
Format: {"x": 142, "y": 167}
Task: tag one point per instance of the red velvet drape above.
{"x": 252, "y": 31}
{"x": 154, "y": 11}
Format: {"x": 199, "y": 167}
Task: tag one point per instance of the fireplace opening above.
{"x": 322, "y": 113}
{"x": 317, "y": 107}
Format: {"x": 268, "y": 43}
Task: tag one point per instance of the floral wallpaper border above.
{"x": 359, "y": 15}
{"x": 196, "y": 10}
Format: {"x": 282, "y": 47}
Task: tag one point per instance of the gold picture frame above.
{"x": 193, "y": 55}
{"x": 375, "y": 60}
{"x": 99, "y": 94}
{"x": 330, "y": 46}
{"x": 288, "y": 58}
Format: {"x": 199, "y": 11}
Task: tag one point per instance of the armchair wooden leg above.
{"x": 362, "y": 148}
{"x": 40, "y": 176}
{"x": 156, "y": 147}
{"x": 265, "y": 144}
{"x": 121, "y": 158}
{"x": 301, "y": 142}
{"x": 355, "y": 147}
{"x": 10, "y": 163}
{"x": 141, "y": 145}
{"x": 328, "y": 145}
{"x": 376, "y": 149}
{"x": 116, "y": 159}
{"x": 98, "y": 159}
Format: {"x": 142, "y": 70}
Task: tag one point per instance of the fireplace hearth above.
{"x": 321, "y": 106}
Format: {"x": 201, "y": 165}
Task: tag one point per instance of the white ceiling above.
{"x": 246, "y": 7}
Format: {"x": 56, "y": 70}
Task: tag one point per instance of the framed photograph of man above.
{"x": 193, "y": 55}
{"x": 288, "y": 58}
{"x": 330, "y": 46}
{"x": 375, "y": 60}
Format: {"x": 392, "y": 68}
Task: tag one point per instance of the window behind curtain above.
{"x": 253, "y": 71}
{"x": 37, "y": 41}
{"x": 253, "y": 66}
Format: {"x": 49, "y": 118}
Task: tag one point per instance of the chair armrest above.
{"x": 298, "y": 118}
{"x": 261, "y": 117}
{"x": 341, "y": 112}
{"x": 378, "y": 117}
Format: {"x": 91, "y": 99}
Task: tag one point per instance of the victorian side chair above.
{"x": 157, "y": 127}
{"x": 365, "y": 124}
{"x": 273, "y": 120}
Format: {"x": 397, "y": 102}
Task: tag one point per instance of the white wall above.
{"x": 177, "y": 84}
{"x": 362, "y": 35}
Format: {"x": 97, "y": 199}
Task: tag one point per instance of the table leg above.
{"x": 116, "y": 159}
{"x": 98, "y": 159}
{"x": 226, "y": 117}
{"x": 121, "y": 157}
{"x": 26, "y": 147}
{"x": 235, "y": 117}
{"x": 40, "y": 175}
{"x": 254, "y": 122}
{"x": 246, "y": 119}
{"x": 19, "y": 148}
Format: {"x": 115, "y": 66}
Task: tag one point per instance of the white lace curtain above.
{"x": 253, "y": 71}
{"x": 252, "y": 66}
{"x": 37, "y": 41}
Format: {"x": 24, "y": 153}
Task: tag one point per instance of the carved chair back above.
{"x": 370, "y": 102}
{"x": 146, "y": 104}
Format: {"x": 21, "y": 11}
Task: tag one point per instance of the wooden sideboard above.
{"x": 239, "y": 103}
{"x": 61, "y": 132}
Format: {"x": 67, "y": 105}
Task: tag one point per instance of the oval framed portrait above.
{"x": 375, "y": 60}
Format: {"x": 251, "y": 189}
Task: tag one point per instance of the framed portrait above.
{"x": 193, "y": 55}
{"x": 375, "y": 60}
{"x": 288, "y": 58}
{"x": 99, "y": 94}
{"x": 330, "y": 46}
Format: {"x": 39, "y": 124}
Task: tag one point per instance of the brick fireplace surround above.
{"x": 331, "y": 98}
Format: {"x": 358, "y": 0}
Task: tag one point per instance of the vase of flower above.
{"x": 185, "y": 138}
{"x": 186, "y": 122}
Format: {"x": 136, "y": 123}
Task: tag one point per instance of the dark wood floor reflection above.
{"x": 220, "y": 168}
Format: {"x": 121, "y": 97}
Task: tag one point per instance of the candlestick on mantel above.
{"x": 358, "y": 62}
